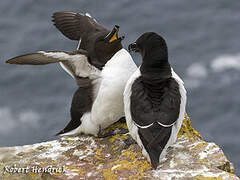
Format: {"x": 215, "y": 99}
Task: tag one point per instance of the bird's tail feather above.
{"x": 154, "y": 140}
{"x": 69, "y": 129}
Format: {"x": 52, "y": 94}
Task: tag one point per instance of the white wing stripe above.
{"x": 65, "y": 68}
{"x": 147, "y": 126}
{"x": 143, "y": 127}
{"x": 164, "y": 125}
{"x": 79, "y": 42}
{"x": 87, "y": 14}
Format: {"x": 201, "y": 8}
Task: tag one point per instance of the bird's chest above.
{"x": 108, "y": 106}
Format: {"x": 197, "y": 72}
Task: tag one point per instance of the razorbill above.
{"x": 92, "y": 36}
{"x": 154, "y": 99}
{"x": 101, "y": 68}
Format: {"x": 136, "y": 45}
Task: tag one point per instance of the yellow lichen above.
{"x": 75, "y": 169}
{"x": 117, "y": 126}
{"x": 57, "y": 174}
{"x": 203, "y": 160}
{"x": 128, "y": 163}
{"x": 200, "y": 145}
{"x": 118, "y": 137}
{"x": 209, "y": 178}
{"x": 50, "y": 163}
{"x": 109, "y": 175}
{"x": 187, "y": 130}
{"x": 32, "y": 174}
{"x": 226, "y": 167}
{"x": 6, "y": 175}
{"x": 129, "y": 160}
{"x": 114, "y": 148}
{"x": 43, "y": 163}
{"x": 70, "y": 141}
{"x": 42, "y": 147}
{"x": 98, "y": 154}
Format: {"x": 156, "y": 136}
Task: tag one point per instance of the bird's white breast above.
{"x": 108, "y": 106}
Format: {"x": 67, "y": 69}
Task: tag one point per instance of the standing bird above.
{"x": 154, "y": 99}
{"x": 100, "y": 66}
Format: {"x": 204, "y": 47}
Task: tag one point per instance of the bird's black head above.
{"x": 153, "y": 50}
{"x": 105, "y": 46}
{"x": 150, "y": 43}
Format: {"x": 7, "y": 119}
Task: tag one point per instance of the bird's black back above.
{"x": 155, "y": 102}
{"x": 155, "y": 96}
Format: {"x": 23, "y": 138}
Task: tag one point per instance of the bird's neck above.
{"x": 155, "y": 67}
{"x": 119, "y": 60}
{"x": 155, "y": 72}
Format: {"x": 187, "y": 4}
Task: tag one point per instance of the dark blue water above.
{"x": 204, "y": 49}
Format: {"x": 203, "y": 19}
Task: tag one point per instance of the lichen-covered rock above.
{"x": 87, "y": 157}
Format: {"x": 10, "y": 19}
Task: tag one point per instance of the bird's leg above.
{"x": 120, "y": 130}
{"x": 103, "y": 134}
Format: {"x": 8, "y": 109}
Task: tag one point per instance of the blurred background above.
{"x": 204, "y": 49}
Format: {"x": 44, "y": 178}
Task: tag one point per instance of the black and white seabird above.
{"x": 100, "y": 66}
{"x": 154, "y": 99}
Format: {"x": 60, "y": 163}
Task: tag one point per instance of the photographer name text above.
{"x": 33, "y": 169}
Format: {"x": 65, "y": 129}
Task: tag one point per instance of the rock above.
{"x": 87, "y": 157}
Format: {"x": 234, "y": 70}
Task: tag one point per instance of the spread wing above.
{"x": 75, "y": 63}
{"x": 162, "y": 108}
{"x": 39, "y": 58}
{"x": 75, "y": 25}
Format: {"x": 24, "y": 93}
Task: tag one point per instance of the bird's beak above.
{"x": 113, "y": 35}
{"x": 133, "y": 47}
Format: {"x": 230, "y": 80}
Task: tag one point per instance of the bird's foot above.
{"x": 103, "y": 134}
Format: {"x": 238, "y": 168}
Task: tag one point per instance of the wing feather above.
{"x": 74, "y": 63}
{"x": 145, "y": 110}
{"x": 38, "y": 58}
{"x": 75, "y": 25}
